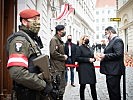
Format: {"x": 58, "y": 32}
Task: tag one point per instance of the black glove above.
{"x": 47, "y": 89}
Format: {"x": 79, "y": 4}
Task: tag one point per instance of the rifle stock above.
{"x": 43, "y": 63}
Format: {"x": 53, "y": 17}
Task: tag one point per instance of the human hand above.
{"x": 96, "y": 56}
{"x": 47, "y": 89}
{"x": 76, "y": 63}
{"x": 102, "y": 55}
{"x": 65, "y": 57}
{"x": 92, "y": 60}
{"x": 67, "y": 69}
{"x": 99, "y": 56}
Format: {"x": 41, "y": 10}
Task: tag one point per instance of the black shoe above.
{"x": 73, "y": 85}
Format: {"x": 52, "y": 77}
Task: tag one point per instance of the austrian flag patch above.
{"x": 56, "y": 47}
{"x": 17, "y": 60}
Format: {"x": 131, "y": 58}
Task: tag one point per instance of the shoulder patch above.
{"x": 18, "y": 46}
{"x": 56, "y": 47}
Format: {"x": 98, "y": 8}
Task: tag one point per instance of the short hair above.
{"x": 110, "y": 28}
{"x": 21, "y": 19}
{"x": 69, "y": 35}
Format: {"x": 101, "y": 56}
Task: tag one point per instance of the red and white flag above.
{"x": 71, "y": 9}
{"x": 66, "y": 10}
{"x": 17, "y": 60}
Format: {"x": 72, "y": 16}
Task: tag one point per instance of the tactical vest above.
{"x": 36, "y": 51}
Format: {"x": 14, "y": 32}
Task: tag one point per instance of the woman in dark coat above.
{"x": 86, "y": 71}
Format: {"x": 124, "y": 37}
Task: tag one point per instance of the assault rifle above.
{"x": 43, "y": 63}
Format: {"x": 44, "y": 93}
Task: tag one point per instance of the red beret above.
{"x": 29, "y": 13}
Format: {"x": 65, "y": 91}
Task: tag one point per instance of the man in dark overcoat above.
{"x": 70, "y": 51}
{"x": 112, "y": 63}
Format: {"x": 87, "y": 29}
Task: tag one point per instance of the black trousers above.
{"x": 113, "y": 86}
{"x": 93, "y": 91}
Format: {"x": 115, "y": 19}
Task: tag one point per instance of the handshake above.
{"x": 99, "y": 56}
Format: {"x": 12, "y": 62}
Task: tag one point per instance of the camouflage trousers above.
{"x": 62, "y": 84}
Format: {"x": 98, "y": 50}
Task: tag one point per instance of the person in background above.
{"x": 112, "y": 63}
{"x": 70, "y": 50}
{"x": 77, "y": 42}
{"x": 103, "y": 45}
{"x": 22, "y": 47}
{"x": 86, "y": 69}
{"x": 77, "y": 62}
{"x": 58, "y": 57}
{"x": 93, "y": 46}
{"x": 98, "y": 47}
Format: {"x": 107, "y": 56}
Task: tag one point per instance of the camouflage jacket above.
{"x": 19, "y": 51}
{"x": 57, "y": 58}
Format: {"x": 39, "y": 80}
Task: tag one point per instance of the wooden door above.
{"x": 7, "y": 16}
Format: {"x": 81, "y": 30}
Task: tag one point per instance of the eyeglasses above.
{"x": 36, "y": 18}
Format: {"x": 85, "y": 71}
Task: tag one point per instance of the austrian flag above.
{"x": 66, "y": 9}
{"x": 17, "y": 60}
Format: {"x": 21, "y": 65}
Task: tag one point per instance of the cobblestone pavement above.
{"x": 72, "y": 93}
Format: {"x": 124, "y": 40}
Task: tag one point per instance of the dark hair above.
{"x": 110, "y": 28}
{"x": 69, "y": 35}
{"x": 21, "y": 19}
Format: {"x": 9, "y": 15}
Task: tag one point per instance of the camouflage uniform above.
{"x": 57, "y": 60}
{"x": 27, "y": 83}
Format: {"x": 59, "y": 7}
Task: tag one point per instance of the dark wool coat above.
{"x": 73, "y": 52}
{"x": 86, "y": 69}
{"x": 113, "y": 63}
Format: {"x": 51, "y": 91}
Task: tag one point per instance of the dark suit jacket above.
{"x": 73, "y": 51}
{"x": 86, "y": 69}
{"x": 113, "y": 63}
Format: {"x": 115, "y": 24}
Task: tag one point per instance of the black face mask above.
{"x": 69, "y": 40}
{"x": 87, "y": 41}
{"x": 63, "y": 34}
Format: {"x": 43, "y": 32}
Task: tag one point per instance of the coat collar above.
{"x": 59, "y": 38}
{"x": 111, "y": 41}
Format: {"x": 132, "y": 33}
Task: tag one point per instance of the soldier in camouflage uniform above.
{"x": 58, "y": 57}
{"x": 23, "y": 46}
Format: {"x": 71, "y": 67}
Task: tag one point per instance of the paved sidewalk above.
{"x": 72, "y": 93}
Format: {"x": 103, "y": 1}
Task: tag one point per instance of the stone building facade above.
{"x": 125, "y": 12}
